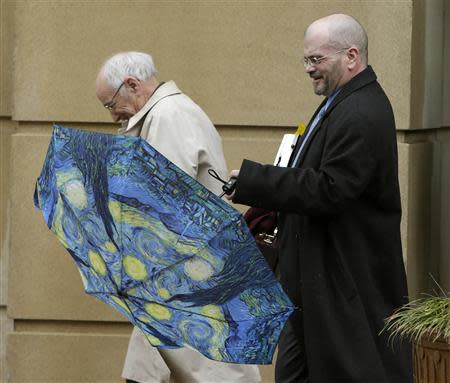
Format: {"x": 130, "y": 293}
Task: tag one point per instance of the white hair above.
{"x": 121, "y": 65}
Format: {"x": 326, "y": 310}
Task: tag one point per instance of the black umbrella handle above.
{"x": 228, "y": 186}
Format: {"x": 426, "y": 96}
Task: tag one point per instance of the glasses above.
{"x": 316, "y": 60}
{"x": 111, "y": 104}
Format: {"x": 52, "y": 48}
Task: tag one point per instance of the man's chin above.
{"x": 318, "y": 87}
{"x": 318, "y": 90}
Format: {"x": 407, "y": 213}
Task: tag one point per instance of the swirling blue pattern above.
{"x": 152, "y": 242}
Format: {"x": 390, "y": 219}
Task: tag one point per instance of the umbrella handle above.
{"x": 228, "y": 186}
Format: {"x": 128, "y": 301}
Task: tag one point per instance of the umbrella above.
{"x": 149, "y": 240}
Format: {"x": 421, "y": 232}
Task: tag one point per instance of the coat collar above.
{"x": 165, "y": 90}
{"x": 362, "y": 79}
{"x": 359, "y": 81}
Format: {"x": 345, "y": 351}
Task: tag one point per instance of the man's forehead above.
{"x": 314, "y": 49}
{"x": 103, "y": 88}
{"x": 316, "y": 40}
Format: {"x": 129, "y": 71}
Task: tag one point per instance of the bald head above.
{"x": 341, "y": 31}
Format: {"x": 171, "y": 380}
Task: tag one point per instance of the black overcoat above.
{"x": 340, "y": 249}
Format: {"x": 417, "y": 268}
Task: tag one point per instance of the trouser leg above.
{"x": 291, "y": 366}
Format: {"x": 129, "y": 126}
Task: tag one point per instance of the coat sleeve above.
{"x": 347, "y": 162}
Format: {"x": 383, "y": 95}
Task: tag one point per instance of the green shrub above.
{"x": 429, "y": 317}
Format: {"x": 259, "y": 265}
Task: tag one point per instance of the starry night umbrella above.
{"x": 152, "y": 242}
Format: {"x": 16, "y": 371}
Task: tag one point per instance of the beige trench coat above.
{"x": 175, "y": 126}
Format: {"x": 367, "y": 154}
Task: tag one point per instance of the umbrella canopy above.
{"x": 149, "y": 240}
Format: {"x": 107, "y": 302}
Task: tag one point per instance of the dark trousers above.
{"x": 291, "y": 365}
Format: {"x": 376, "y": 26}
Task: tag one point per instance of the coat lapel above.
{"x": 362, "y": 79}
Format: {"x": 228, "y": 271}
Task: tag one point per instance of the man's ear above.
{"x": 353, "y": 57}
{"x": 132, "y": 83}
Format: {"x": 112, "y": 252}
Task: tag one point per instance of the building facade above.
{"x": 241, "y": 61}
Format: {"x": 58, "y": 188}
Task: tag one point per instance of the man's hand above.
{"x": 233, "y": 174}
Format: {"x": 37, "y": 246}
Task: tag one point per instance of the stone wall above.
{"x": 240, "y": 61}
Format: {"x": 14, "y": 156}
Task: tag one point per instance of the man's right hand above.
{"x": 234, "y": 174}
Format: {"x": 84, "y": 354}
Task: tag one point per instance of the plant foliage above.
{"x": 429, "y": 317}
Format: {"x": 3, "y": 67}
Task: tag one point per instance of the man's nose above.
{"x": 309, "y": 68}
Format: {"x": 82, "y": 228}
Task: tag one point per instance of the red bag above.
{"x": 263, "y": 225}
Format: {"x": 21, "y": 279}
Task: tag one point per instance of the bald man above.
{"x": 339, "y": 220}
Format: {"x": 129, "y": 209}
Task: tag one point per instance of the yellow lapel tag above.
{"x": 300, "y": 129}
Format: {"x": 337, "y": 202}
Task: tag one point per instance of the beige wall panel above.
{"x": 253, "y": 143}
{"x": 6, "y": 129}
{"x": 415, "y": 161}
{"x": 241, "y": 61}
{"x": 79, "y": 327}
{"x": 34, "y": 357}
{"x": 258, "y": 144}
{"x": 43, "y": 280}
{"x": 268, "y": 372}
{"x": 418, "y": 65}
{"x": 6, "y": 56}
{"x": 430, "y": 29}
{"x": 6, "y": 326}
{"x": 403, "y": 176}
{"x": 61, "y": 358}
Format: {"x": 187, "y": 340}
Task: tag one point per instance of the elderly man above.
{"x": 339, "y": 222}
{"x": 174, "y": 125}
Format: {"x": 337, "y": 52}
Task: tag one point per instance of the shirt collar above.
{"x": 331, "y": 98}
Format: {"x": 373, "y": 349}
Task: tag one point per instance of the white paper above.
{"x": 285, "y": 150}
